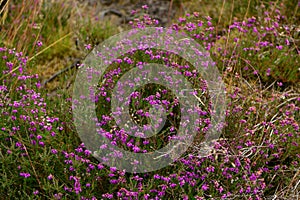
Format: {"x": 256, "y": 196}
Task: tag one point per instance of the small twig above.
{"x": 296, "y": 185}
{"x": 287, "y": 101}
{"x": 75, "y": 64}
{"x": 268, "y": 87}
{"x": 248, "y": 84}
{"x": 295, "y": 176}
{"x": 112, "y": 11}
{"x": 168, "y": 152}
{"x": 115, "y": 12}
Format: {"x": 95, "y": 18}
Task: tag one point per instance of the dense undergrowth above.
{"x": 255, "y": 45}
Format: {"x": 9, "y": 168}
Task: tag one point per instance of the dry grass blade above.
{"x": 4, "y": 9}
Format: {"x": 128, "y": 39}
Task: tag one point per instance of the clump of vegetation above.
{"x": 256, "y": 156}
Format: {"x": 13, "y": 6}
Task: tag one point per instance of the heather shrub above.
{"x": 256, "y": 156}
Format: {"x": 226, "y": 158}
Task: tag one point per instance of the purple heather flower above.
{"x": 241, "y": 190}
{"x": 39, "y": 43}
{"x": 113, "y": 169}
{"x": 54, "y": 151}
{"x": 108, "y": 196}
{"x": 136, "y": 149}
{"x": 24, "y": 174}
{"x": 50, "y": 177}
{"x": 181, "y": 19}
{"x": 39, "y": 137}
{"x": 114, "y": 181}
{"x": 133, "y": 12}
{"x": 18, "y": 144}
{"x": 276, "y": 167}
{"x": 87, "y": 46}
{"x": 204, "y": 187}
{"x": 248, "y": 190}
{"x": 42, "y": 144}
{"x": 252, "y": 177}
{"x": 100, "y": 166}
{"x": 156, "y": 176}
{"x": 146, "y": 196}
{"x": 145, "y": 7}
